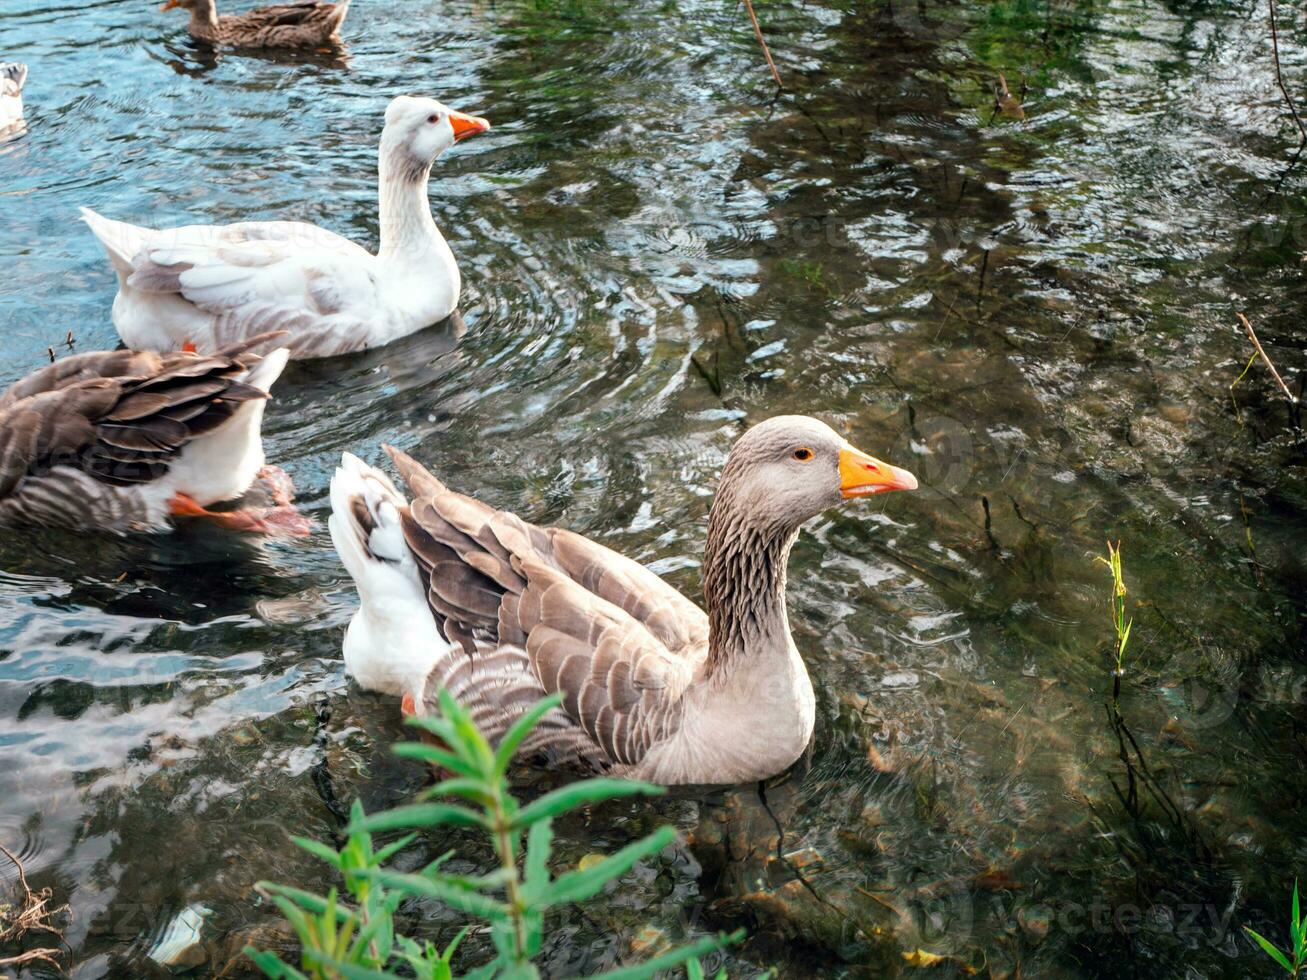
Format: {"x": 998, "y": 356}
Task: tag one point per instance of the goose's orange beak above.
{"x": 464, "y": 125}
{"x": 170, "y": 4}
{"x": 862, "y": 475}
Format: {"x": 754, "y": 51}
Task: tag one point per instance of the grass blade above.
{"x": 578, "y": 794}
{"x": 521, "y": 728}
{"x": 418, "y": 815}
{"x": 645, "y": 970}
{"x": 1271, "y": 951}
{"x": 575, "y": 886}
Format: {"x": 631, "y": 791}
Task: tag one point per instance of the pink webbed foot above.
{"x": 285, "y": 520}
{"x": 279, "y": 484}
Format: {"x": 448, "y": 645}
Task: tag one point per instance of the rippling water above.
{"x": 1034, "y": 314}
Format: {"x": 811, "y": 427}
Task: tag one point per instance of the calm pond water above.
{"x": 1033, "y": 309}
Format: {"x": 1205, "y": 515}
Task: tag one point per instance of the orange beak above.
{"x": 170, "y": 4}
{"x": 862, "y": 475}
{"x": 464, "y": 125}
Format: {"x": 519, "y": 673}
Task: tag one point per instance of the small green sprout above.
{"x": 1117, "y": 604}
{"x": 1298, "y": 937}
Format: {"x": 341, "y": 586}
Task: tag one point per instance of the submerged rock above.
{"x": 180, "y": 946}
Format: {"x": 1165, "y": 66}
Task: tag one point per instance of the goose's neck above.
{"x": 744, "y": 587}
{"x": 204, "y": 22}
{"x": 407, "y": 228}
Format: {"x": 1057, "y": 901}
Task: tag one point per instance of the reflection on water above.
{"x": 1034, "y": 314}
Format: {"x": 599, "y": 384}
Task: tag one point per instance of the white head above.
{"x": 419, "y": 129}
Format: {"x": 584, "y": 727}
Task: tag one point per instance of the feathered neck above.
{"x": 405, "y": 211}
{"x": 744, "y": 580}
{"x": 204, "y": 22}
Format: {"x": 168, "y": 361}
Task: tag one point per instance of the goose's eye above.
{"x": 433, "y": 118}
{"x": 803, "y": 455}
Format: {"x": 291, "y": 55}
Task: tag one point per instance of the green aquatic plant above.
{"x": 356, "y": 939}
{"x": 1120, "y": 624}
{"x": 1297, "y": 936}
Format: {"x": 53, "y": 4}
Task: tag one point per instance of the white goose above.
{"x": 12, "y": 77}
{"x": 214, "y": 285}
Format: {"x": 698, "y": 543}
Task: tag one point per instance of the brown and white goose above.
{"x": 126, "y": 440}
{"x": 456, "y": 595}
{"x": 306, "y": 24}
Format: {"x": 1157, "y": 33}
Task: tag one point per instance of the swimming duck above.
{"x": 456, "y": 595}
{"x": 288, "y": 25}
{"x": 127, "y": 440}
{"x": 12, "y": 77}
{"x": 215, "y": 285}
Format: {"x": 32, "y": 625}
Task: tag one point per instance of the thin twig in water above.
{"x": 1257, "y": 344}
{"x": 1279, "y": 80}
{"x": 29, "y": 915}
{"x": 766, "y": 52}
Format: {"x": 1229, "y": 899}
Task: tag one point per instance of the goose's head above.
{"x": 421, "y": 129}
{"x": 791, "y": 468}
{"x": 202, "y": 7}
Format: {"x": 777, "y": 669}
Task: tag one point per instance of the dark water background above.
{"x": 1036, "y": 315}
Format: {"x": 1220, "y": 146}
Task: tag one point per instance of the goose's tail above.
{"x": 13, "y": 75}
{"x": 392, "y": 642}
{"x": 338, "y": 15}
{"x": 122, "y": 241}
{"x": 263, "y": 374}
{"x": 365, "y": 526}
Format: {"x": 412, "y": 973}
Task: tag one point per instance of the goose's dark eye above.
{"x": 433, "y": 118}
{"x": 803, "y": 455}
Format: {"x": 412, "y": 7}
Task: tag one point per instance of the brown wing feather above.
{"x": 288, "y": 24}
{"x": 119, "y": 416}
{"x": 615, "y": 640}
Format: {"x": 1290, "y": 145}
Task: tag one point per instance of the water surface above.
{"x": 1032, "y": 309}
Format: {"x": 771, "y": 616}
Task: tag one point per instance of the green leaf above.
{"x": 693, "y": 970}
{"x": 329, "y": 923}
{"x": 645, "y": 970}
{"x": 434, "y": 756}
{"x": 464, "y": 787}
{"x": 1271, "y": 951}
{"x": 521, "y": 729}
{"x": 351, "y": 971}
{"x": 455, "y": 896}
{"x": 272, "y": 966}
{"x": 319, "y": 850}
{"x": 373, "y": 930}
{"x": 1295, "y": 924}
{"x": 418, "y": 815}
{"x": 579, "y": 794}
{"x": 576, "y": 886}
{"x": 305, "y": 900}
{"x": 299, "y": 921}
{"x": 539, "y": 847}
{"x": 390, "y": 850}
{"x": 472, "y": 743}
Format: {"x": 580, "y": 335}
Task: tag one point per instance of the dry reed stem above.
{"x": 1279, "y": 79}
{"x": 766, "y": 51}
{"x": 1257, "y": 345}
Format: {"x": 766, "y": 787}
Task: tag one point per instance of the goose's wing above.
{"x": 614, "y": 639}
{"x": 285, "y": 25}
{"x": 252, "y": 277}
{"x": 118, "y": 416}
{"x": 308, "y": 15}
